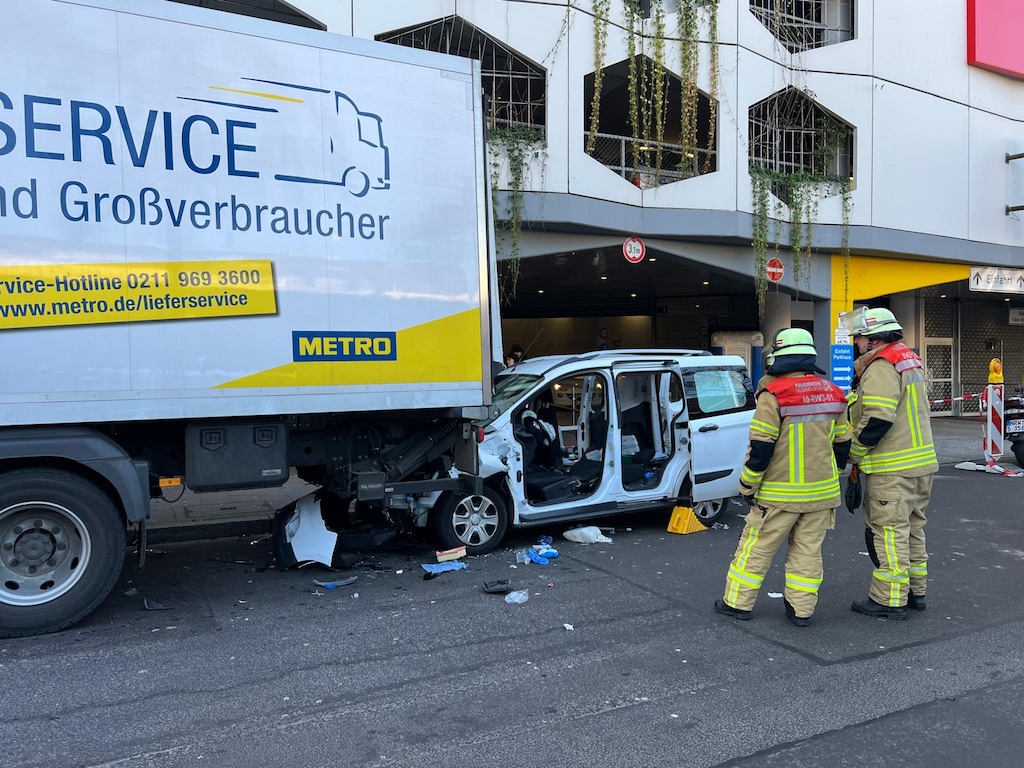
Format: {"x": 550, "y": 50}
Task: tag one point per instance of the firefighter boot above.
{"x": 799, "y": 621}
{"x": 916, "y": 602}
{"x": 869, "y": 607}
{"x": 727, "y": 610}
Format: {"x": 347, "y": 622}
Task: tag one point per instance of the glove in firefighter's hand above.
{"x": 854, "y": 495}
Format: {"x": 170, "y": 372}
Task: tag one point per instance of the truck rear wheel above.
{"x": 476, "y": 522}
{"x": 62, "y": 545}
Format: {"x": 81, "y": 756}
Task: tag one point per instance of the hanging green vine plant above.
{"x": 647, "y": 88}
{"x": 601, "y": 11}
{"x": 658, "y": 82}
{"x": 713, "y": 118}
{"x": 847, "y": 213}
{"x": 834, "y": 135}
{"x": 633, "y": 21}
{"x": 761, "y": 181}
{"x": 686, "y": 28}
{"x": 803, "y": 193}
{"x": 517, "y": 146}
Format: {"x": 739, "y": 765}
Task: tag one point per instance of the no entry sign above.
{"x": 774, "y": 269}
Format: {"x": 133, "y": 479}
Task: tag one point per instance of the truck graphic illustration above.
{"x": 356, "y": 148}
{"x": 357, "y": 157}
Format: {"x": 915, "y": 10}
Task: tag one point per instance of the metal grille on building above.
{"x": 937, "y": 353}
{"x": 985, "y": 332}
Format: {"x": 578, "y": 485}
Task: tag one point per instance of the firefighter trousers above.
{"x": 895, "y": 509}
{"x": 918, "y": 503}
{"x": 763, "y": 534}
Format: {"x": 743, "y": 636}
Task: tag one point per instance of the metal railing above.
{"x": 640, "y": 161}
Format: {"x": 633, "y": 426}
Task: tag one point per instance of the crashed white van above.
{"x": 605, "y": 432}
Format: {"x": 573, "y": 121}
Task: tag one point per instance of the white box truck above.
{"x": 228, "y": 248}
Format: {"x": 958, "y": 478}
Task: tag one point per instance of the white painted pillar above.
{"x": 905, "y": 309}
{"x": 778, "y": 313}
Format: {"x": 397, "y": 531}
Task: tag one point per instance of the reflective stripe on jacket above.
{"x": 803, "y": 415}
{"x": 893, "y": 391}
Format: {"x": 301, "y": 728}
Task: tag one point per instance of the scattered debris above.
{"x": 153, "y": 605}
{"x": 569, "y": 627}
{"x": 532, "y": 556}
{"x": 433, "y": 570}
{"x": 588, "y": 534}
{"x": 335, "y": 584}
{"x": 517, "y": 597}
{"x": 450, "y": 554}
{"x": 720, "y": 526}
{"x": 776, "y": 595}
{"x": 131, "y": 591}
{"x": 498, "y": 586}
{"x": 230, "y": 562}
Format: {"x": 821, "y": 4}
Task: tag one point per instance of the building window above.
{"x": 514, "y": 85}
{"x": 801, "y": 25}
{"x": 791, "y": 134}
{"x": 649, "y": 160}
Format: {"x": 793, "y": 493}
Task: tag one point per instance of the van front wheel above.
{"x": 708, "y": 512}
{"x": 476, "y": 522}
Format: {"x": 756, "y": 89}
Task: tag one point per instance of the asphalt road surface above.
{"x": 617, "y": 659}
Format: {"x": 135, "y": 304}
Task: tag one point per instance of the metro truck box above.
{"x": 229, "y": 249}
{"x": 199, "y": 222}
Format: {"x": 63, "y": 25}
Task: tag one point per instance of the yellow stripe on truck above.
{"x": 444, "y": 350}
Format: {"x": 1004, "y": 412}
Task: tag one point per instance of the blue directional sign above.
{"x": 842, "y": 366}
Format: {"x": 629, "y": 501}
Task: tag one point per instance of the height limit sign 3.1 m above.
{"x": 634, "y": 250}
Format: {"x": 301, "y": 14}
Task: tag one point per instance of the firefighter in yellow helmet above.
{"x": 894, "y": 452}
{"x": 799, "y": 440}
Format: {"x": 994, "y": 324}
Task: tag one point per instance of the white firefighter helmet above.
{"x": 869, "y": 322}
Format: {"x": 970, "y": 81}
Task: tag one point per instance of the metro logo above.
{"x": 331, "y": 346}
{"x": 994, "y": 33}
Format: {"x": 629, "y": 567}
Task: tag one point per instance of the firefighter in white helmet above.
{"x": 799, "y": 440}
{"x": 894, "y": 452}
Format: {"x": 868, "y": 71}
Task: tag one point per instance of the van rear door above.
{"x": 720, "y": 405}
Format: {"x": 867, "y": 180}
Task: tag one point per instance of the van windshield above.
{"x": 508, "y": 390}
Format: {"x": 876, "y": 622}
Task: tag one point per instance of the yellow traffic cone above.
{"x": 684, "y": 521}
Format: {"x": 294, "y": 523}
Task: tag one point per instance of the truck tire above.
{"x": 62, "y": 545}
{"x": 477, "y": 522}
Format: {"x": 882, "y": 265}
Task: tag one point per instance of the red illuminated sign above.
{"x": 994, "y": 32}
